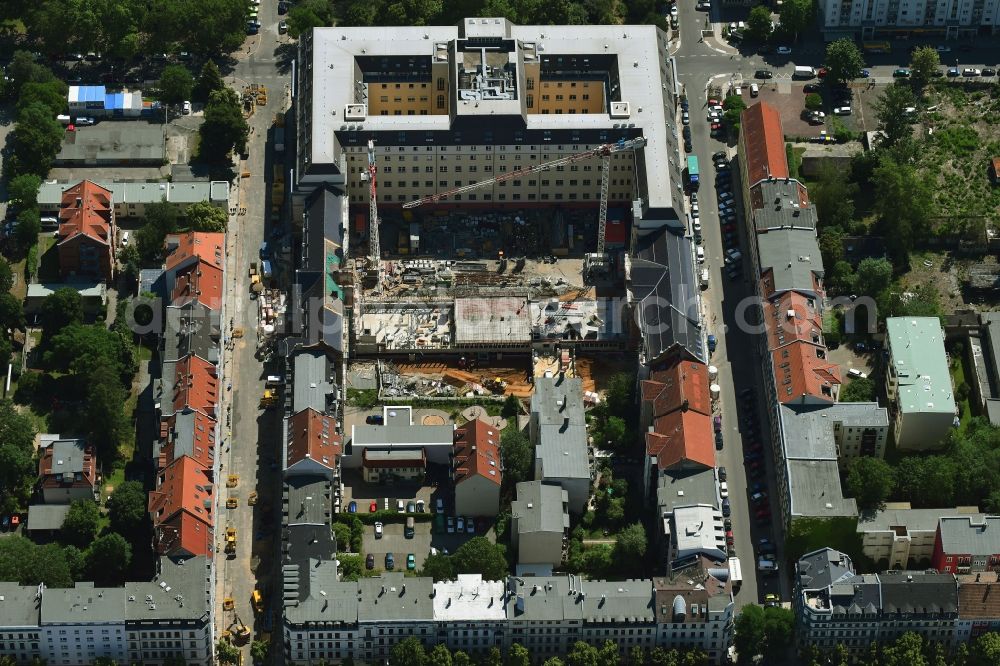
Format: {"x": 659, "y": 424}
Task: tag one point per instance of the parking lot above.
{"x": 393, "y": 541}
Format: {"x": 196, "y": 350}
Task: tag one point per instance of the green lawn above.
{"x": 48, "y": 262}
{"x": 958, "y": 378}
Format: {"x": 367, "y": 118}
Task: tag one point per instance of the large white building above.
{"x": 868, "y": 19}
{"x": 448, "y": 106}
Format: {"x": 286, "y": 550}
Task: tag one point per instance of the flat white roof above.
{"x": 470, "y": 598}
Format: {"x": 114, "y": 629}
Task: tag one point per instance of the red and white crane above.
{"x": 604, "y": 151}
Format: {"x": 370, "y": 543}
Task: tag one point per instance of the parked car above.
{"x": 763, "y": 74}
{"x": 373, "y": 507}
{"x": 754, "y": 90}
{"x": 470, "y": 526}
{"x": 718, "y": 441}
{"x": 953, "y": 71}
{"x": 723, "y": 489}
{"x": 400, "y": 507}
{"x": 989, "y": 71}
{"x": 971, "y": 71}
{"x": 901, "y": 73}
{"x": 451, "y": 524}
{"x": 842, "y": 111}
{"x": 282, "y": 27}
{"x": 352, "y": 507}
{"x": 758, "y": 497}
{"x": 370, "y": 561}
{"x": 783, "y": 50}
{"x": 685, "y": 117}
{"x": 411, "y": 507}
{"x": 379, "y": 530}
{"x": 722, "y": 474}
{"x": 439, "y": 505}
{"x": 411, "y": 562}
{"x": 461, "y": 525}
{"x": 726, "y": 509}
{"x": 390, "y": 562}
{"x": 186, "y": 108}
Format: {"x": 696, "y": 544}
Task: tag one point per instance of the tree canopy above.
{"x": 478, "y": 555}
{"x": 759, "y": 24}
{"x": 81, "y": 523}
{"x": 309, "y": 14}
{"x": 62, "y": 308}
{"x": 175, "y": 84}
{"x": 762, "y": 631}
{"x": 870, "y": 482}
{"x": 518, "y": 457}
{"x": 203, "y": 216}
{"x": 127, "y": 507}
{"x": 17, "y": 466}
{"x": 843, "y": 61}
{"x": 108, "y": 558}
{"x": 890, "y": 110}
{"x": 925, "y": 63}
{"x": 859, "y": 389}
{"x": 225, "y": 129}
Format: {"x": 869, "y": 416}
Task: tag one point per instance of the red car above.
{"x": 373, "y": 507}
{"x": 729, "y": 538}
{"x": 821, "y": 72}
{"x": 716, "y": 126}
{"x": 763, "y": 512}
{"x": 713, "y": 102}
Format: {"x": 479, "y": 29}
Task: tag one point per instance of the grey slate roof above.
{"x": 184, "y": 428}
{"x": 781, "y": 207}
{"x": 794, "y": 256}
{"x": 539, "y": 508}
{"x": 406, "y": 435}
{"x": 67, "y": 457}
{"x": 822, "y": 568}
{"x": 311, "y": 386}
{"x": 562, "y": 430}
{"x": 685, "y": 488}
{"x": 665, "y": 288}
{"x": 312, "y": 593}
{"x": 393, "y": 597}
{"x": 919, "y": 592}
{"x": 970, "y": 535}
{"x": 46, "y": 516}
{"x": 569, "y": 597}
{"x": 20, "y": 605}
{"x": 322, "y": 252}
{"x": 83, "y": 604}
{"x": 815, "y": 490}
{"x": 180, "y": 591}
{"x": 191, "y": 329}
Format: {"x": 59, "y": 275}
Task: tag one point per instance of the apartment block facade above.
{"x": 881, "y": 19}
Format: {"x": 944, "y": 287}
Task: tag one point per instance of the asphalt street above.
{"x": 250, "y": 433}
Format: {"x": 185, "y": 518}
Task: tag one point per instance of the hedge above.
{"x": 382, "y": 517}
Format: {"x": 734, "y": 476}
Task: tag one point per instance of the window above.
{"x": 440, "y": 101}
{"x": 531, "y": 100}
{"x": 531, "y": 83}
{"x": 440, "y": 85}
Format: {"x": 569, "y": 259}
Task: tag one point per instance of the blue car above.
{"x": 352, "y": 507}
{"x": 864, "y": 74}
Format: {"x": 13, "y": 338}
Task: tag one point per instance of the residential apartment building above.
{"x": 813, "y": 435}
{"x": 558, "y": 429}
{"x": 67, "y": 470}
{"x": 476, "y": 470}
{"x": 918, "y": 383}
{"x": 165, "y": 619}
{"x": 695, "y": 609}
{"x": 885, "y": 19}
{"x": 539, "y": 526}
{"x": 129, "y": 200}
{"x": 834, "y": 605}
{"x": 448, "y": 106}
{"x": 967, "y": 544}
{"x": 978, "y": 605}
{"x": 399, "y": 432}
{"x": 86, "y": 236}
{"x": 901, "y": 537}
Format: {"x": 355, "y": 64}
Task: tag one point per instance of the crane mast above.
{"x": 374, "y": 250}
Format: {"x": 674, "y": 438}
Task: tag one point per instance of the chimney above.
{"x": 79, "y": 202}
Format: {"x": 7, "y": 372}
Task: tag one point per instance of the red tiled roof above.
{"x": 679, "y": 405}
{"x": 805, "y": 322}
{"x": 86, "y": 209}
{"x": 196, "y": 385}
{"x": 203, "y": 438}
{"x": 477, "y": 451}
{"x": 683, "y": 382}
{"x": 181, "y": 508}
{"x": 800, "y": 372}
{"x": 314, "y": 436}
{"x": 200, "y": 281}
{"x": 207, "y": 247}
{"x": 764, "y": 142}
{"x": 680, "y": 438}
{"x": 977, "y": 600}
{"x": 50, "y": 480}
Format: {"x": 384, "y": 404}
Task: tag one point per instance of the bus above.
{"x": 693, "y": 175}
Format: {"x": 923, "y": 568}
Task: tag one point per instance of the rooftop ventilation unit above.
{"x": 620, "y": 110}
{"x": 355, "y": 111}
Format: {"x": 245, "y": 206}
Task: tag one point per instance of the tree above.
{"x": 24, "y": 562}
{"x": 259, "y": 650}
{"x": 108, "y": 557}
{"x": 924, "y": 64}
{"x": 82, "y": 350}
{"x": 619, "y": 396}
{"x": 553, "y": 661}
{"x": 926, "y": 481}
{"x": 107, "y": 423}
{"x": 870, "y": 481}
{"x": 37, "y": 138}
{"x": 814, "y": 102}
{"x": 907, "y": 650}
{"x": 62, "y": 308}
{"x": 17, "y": 467}
{"x": 872, "y": 276}
{"x": 759, "y": 25}
{"x": 518, "y": 656}
{"x": 517, "y": 455}
{"x": 309, "y": 14}
{"x": 6, "y": 276}
{"x": 80, "y": 525}
{"x": 733, "y": 106}
{"x": 175, "y": 84}
{"x": 985, "y": 650}
{"x": 796, "y": 16}
{"x": 438, "y": 567}
{"x": 583, "y": 654}
{"x": 833, "y": 196}
{"x": 161, "y": 220}
{"x": 11, "y": 312}
{"x": 478, "y": 555}
{"x": 439, "y": 656}
{"x": 778, "y": 625}
{"x": 748, "y": 633}
{"x": 511, "y": 407}
{"x": 408, "y": 652}
{"x": 209, "y": 80}
{"x": 226, "y": 652}
{"x": 612, "y": 435}
{"x": 843, "y": 61}
{"x": 225, "y": 129}
{"x": 460, "y": 658}
{"x": 203, "y": 216}
{"x": 127, "y": 508}
{"x": 630, "y": 544}
{"x": 614, "y": 514}
{"x": 903, "y": 203}
{"x": 890, "y": 110}
{"x": 23, "y": 189}
{"x": 29, "y": 225}
{"x": 861, "y": 389}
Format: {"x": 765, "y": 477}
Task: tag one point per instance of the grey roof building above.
{"x": 793, "y": 259}
{"x": 780, "y": 206}
{"x": 113, "y": 144}
{"x": 313, "y": 380}
{"x": 400, "y": 432}
{"x": 180, "y": 593}
{"x": 20, "y": 607}
{"x": 663, "y": 289}
{"x": 321, "y": 316}
{"x": 396, "y": 598}
{"x": 312, "y": 594}
{"x": 83, "y": 604}
{"x": 539, "y": 524}
{"x": 559, "y": 430}
{"x": 46, "y": 517}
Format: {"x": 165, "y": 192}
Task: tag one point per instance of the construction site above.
{"x": 461, "y": 303}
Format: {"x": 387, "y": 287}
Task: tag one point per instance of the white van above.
{"x": 704, "y": 278}
{"x": 50, "y": 223}
{"x": 701, "y": 255}
{"x": 754, "y": 90}
{"x": 64, "y": 120}
{"x": 767, "y": 566}
{"x": 802, "y": 72}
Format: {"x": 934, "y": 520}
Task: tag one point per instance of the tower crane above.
{"x": 374, "y": 248}
{"x": 604, "y": 151}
